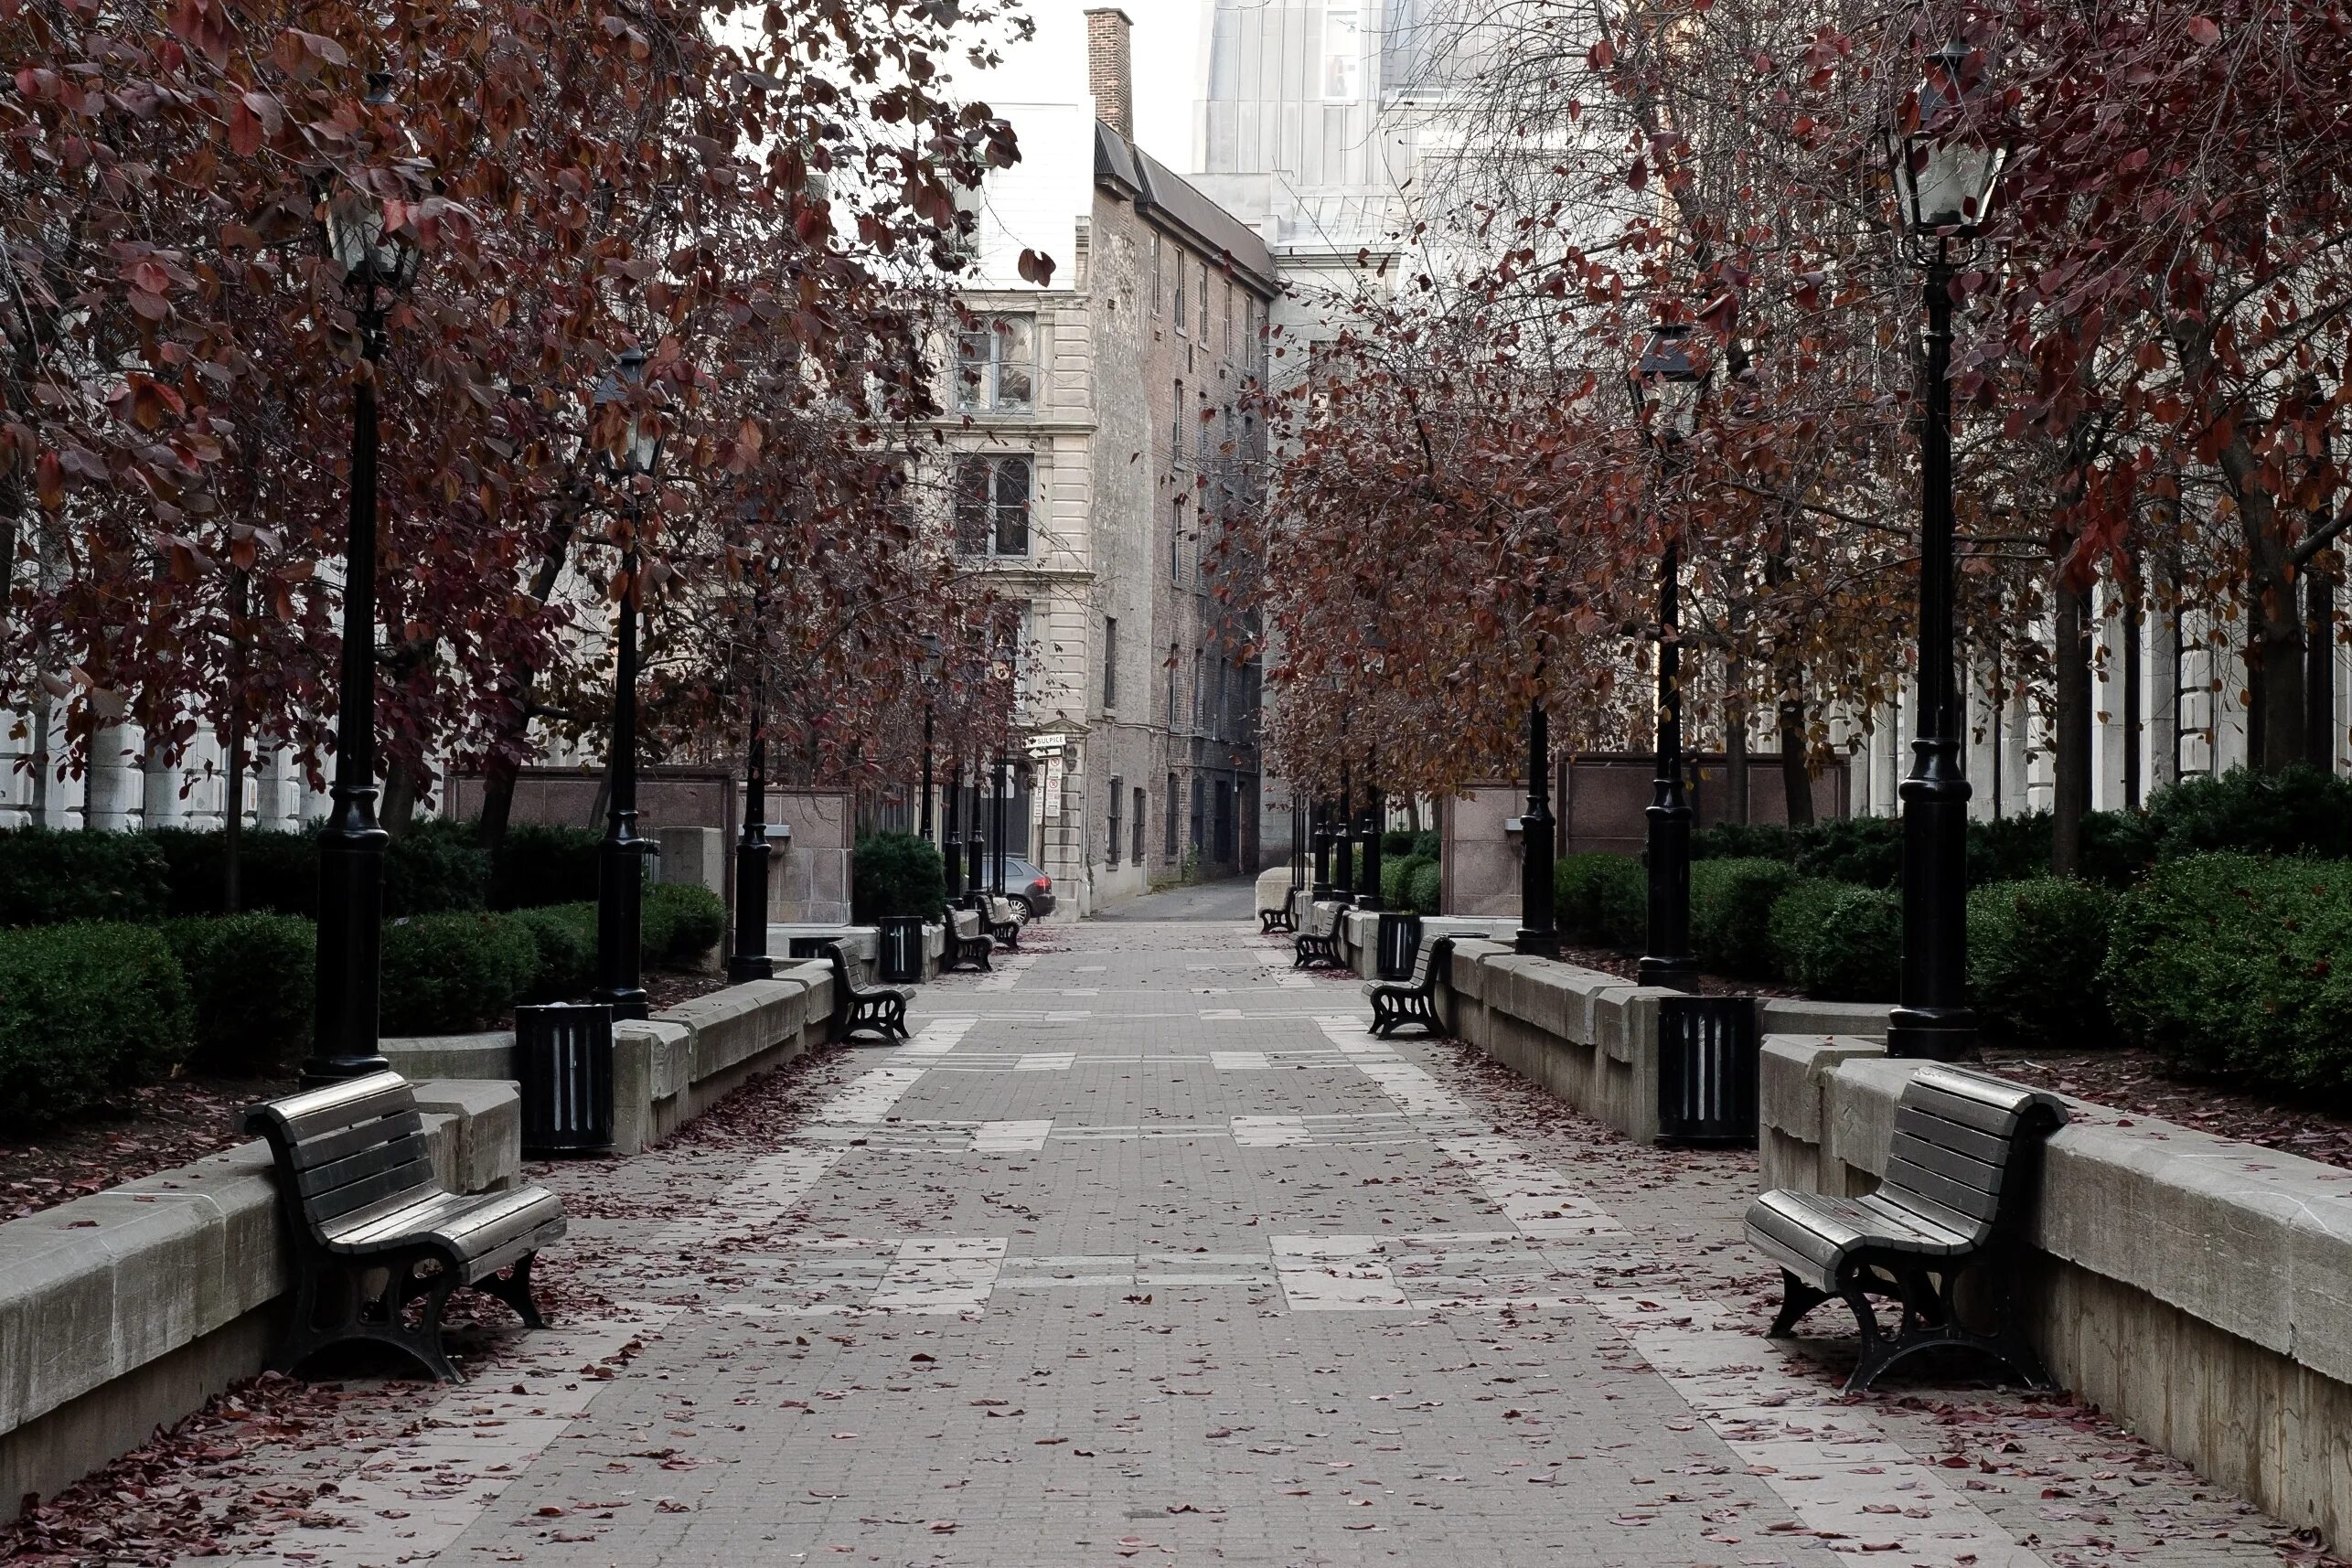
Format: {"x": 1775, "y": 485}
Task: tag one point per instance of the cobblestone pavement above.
{"x": 1142, "y": 1250}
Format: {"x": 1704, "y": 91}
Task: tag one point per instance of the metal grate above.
{"x": 1706, "y": 1069}
{"x": 1400, "y": 945}
{"x": 564, "y": 1059}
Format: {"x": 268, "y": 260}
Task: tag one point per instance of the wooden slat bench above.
{"x": 882, "y": 1011}
{"x": 1959, "y": 1174}
{"x": 379, "y": 1245}
{"x": 1004, "y": 919}
{"x": 1282, "y": 917}
{"x": 1318, "y": 942}
{"x": 968, "y": 945}
{"x": 1395, "y": 1003}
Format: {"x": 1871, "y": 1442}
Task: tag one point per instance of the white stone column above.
{"x": 112, "y": 786}
{"x": 160, "y": 805}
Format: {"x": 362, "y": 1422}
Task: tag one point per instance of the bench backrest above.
{"x": 845, "y": 982}
{"x": 968, "y": 922}
{"x": 346, "y": 1148}
{"x": 1327, "y": 921}
{"x": 1432, "y": 952}
{"x": 1965, "y": 1146}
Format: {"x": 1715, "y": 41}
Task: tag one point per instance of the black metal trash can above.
{"x": 902, "y": 949}
{"x": 1707, "y": 1070}
{"x": 563, "y": 1055}
{"x": 1399, "y": 944}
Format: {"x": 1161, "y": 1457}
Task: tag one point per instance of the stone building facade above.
{"x": 1099, "y": 433}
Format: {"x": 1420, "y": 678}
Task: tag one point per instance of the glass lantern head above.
{"x": 1946, "y": 169}
{"x": 641, "y": 442}
{"x": 1666, "y": 385}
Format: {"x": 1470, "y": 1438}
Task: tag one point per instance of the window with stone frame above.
{"x": 1142, "y": 798}
{"x": 991, "y": 503}
{"x": 1112, "y": 840}
{"x": 996, "y": 366}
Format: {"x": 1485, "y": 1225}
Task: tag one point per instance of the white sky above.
{"x": 1051, "y": 68}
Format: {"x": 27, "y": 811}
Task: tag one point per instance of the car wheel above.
{"x": 1021, "y": 902}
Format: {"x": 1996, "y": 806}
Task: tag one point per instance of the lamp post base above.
{"x": 745, "y": 967}
{"x": 1673, "y": 974}
{"x": 1931, "y": 1034}
{"x": 1536, "y": 943}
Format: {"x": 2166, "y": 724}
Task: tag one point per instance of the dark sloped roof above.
{"x": 1169, "y": 200}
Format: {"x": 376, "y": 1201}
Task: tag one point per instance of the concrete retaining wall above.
{"x": 2198, "y": 1289}
{"x": 125, "y": 1310}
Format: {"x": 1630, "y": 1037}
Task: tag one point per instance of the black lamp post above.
{"x": 1665, "y": 386}
{"x": 620, "y": 859}
{"x": 976, "y": 842}
{"x": 1320, "y": 833}
{"x": 750, "y": 960}
{"x": 999, "y": 805}
{"x": 926, "y": 771}
{"x": 1343, "y": 831}
{"x": 1539, "y": 932}
{"x": 1368, "y": 896}
{"x": 1944, "y": 175}
{"x": 378, "y": 268}
{"x": 951, "y": 850}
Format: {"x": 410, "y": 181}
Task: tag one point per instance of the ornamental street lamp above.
{"x": 975, "y": 843}
{"x": 951, "y": 850}
{"x": 378, "y": 267}
{"x": 620, "y": 859}
{"x": 1343, "y": 831}
{"x": 1665, "y": 386}
{"x": 1539, "y": 933}
{"x": 1320, "y": 832}
{"x": 933, "y": 662}
{"x": 1368, "y": 896}
{"x": 998, "y": 822}
{"x": 1944, "y": 170}
{"x": 750, "y": 960}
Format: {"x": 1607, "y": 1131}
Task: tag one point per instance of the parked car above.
{"x": 1027, "y": 886}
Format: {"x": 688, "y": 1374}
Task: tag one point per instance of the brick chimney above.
{"x": 1110, "y": 69}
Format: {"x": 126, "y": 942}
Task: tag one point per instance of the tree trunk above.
{"x": 1796, "y": 771}
{"x": 233, "y": 815}
{"x": 2070, "y": 742}
{"x": 2319, "y": 677}
{"x": 1734, "y": 736}
{"x": 400, "y": 800}
{"x": 505, "y": 766}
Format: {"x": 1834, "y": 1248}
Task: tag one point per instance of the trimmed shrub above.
{"x": 1864, "y": 850}
{"x": 1731, "y": 912}
{"x": 896, "y": 873}
{"x": 1396, "y": 843}
{"x": 540, "y": 863}
{"x": 1396, "y": 880}
{"x": 695, "y": 919}
{"x": 2226, "y": 961}
{"x": 48, "y": 876}
{"x": 1602, "y": 899}
{"x": 1744, "y": 842}
{"x": 446, "y": 974}
{"x": 1836, "y": 942}
{"x": 252, "y": 979}
{"x": 437, "y": 866}
{"x": 2296, "y": 811}
{"x": 85, "y": 1008}
{"x": 2036, "y": 950}
{"x": 1425, "y": 889}
{"x": 565, "y": 938}
{"x": 277, "y": 873}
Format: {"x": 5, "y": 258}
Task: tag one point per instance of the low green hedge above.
{"x": 1731, "y": 913}
{"x": 1838, "y": 941}
{"x": 86, "y": 1009}
{"x": 2233, "y": 963}
{"x": 682, "y": 922}
{"x": 896, "y": 874}
{"x": 252, "y": 979}
{"x": 2036, "y": 950}
{"x": 446, "y": 974}
{"x": 1602, "y": 899}
{"x": 1403, "y": 881}
{"x": 48, "y": 876}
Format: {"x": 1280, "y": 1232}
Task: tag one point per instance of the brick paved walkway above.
{"x": 1143, "y": 1251}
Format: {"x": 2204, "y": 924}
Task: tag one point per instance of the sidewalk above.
{"x": 1144, "y": 1251}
